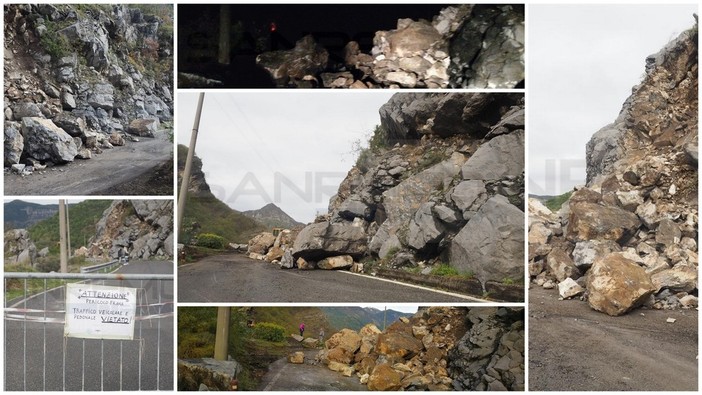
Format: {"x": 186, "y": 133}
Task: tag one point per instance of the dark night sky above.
{"x": 333, "y": 25}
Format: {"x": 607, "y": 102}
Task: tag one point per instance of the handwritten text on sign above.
{"x": 100, "y": 312}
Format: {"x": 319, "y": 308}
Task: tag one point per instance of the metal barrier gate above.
{"x": 39, "y": 358}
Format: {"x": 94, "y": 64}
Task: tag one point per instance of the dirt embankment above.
{"x": 574, "y": 348}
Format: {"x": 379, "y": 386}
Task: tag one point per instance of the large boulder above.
{"x": 297, "y": 357}
{"x": 14, "y": 143}
{"x": 467, "y": 195}
{"x": 603, "y": 150}
{"x": 306, "y": 59}
{"x": 46, "y": 141}
{"x": 261, "y": 243}
{"x": 345, "y": 339}
{"x": 384, "y": 378}
{"x": 681, "y": 278}
{"x": 336, "y": 262}
{"x": 500, "y": 157}
{"x": 616, "y": 285}
{"x": 144, "y": 127}
{"x": 323, "y": 239}
{"x": 398, "y": 344}
{"x": 102, "y": 96}
{"x": 424, "y": 229}
{"x": 491, "y": 244}
{"x": 586, "y": 252}
{"x": 590, "y": 221}
{"x": 402, "y": 201}
{"x": 561, "y": 266}
{"x": 74, "y": 126}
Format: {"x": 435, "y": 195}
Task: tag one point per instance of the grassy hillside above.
{"x": 82, "y": 217}
{"x": 291, "y": 317}
{"x": 213, "y": 216}
{"x": 356, "y": 317}
{"x": 554, "y": 204}
{"x": 204, "y": 213}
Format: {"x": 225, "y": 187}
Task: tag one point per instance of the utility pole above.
{"x": 62, "y": 236}
{"x": 385, "y": 316}
{"x": 68, "y": 229}
{"x": 189, "y": 163}
{"x": 224, "y": 34}
{"x": 222, "y": 336}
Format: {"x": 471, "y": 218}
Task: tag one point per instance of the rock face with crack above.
{"x": 630, "y": 235}
{"x": 465, "y": 46}
{"x": 438, "y": 349}
{"x": 78, "y": 79}
{"x": 441, "y": 185}
{"x": 144, "y": 227}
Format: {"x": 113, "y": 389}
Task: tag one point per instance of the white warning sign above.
{"x": 100, "y": 312}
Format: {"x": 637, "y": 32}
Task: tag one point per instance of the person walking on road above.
{"x": 302, "y": 329}
{"x": 321, "y": 336}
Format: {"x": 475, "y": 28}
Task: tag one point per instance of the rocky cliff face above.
{"x": 19, "y": 248}
{"x": 465, "y": 46}
{"x": 630, "y": 236}
{"x": 443, "y": 182}
{"x": 439, "y": 348}
{"x": 145, "y": 227}
{"x": 83, "y": 78}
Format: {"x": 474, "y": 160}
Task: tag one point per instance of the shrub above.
{"x": 56, "y": 45}
{"x": 444, "y": 270}
{"x": 554, "y": 204}
{"x": 210, "y": 240}
{"x": 269, "y": 331}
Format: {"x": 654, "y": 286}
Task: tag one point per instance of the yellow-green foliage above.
{"x": 269, "y": 332}
{"x": 210, "y": 240}
{"x": 196, "y": 331}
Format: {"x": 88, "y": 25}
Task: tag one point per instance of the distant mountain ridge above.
{"x": 273, "y": 217}
{"x": 22, "y": 215}
{"x": 354, "y": 317}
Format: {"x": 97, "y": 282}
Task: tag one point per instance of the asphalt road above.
{"x": 93, "y": 365}
{"x": 575, "y": 348}
{"x": 90, "y": 177}
{"x": 285, "y": 376}
{"x": 237, "y": 278}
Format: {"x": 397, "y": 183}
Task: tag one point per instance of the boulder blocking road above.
{"x": 237, "y": 278}
{"x": 574, "y": 348}
{"x": 91, "y": 177}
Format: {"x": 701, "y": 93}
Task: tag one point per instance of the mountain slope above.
{"x": 83, "y": 218}
{"x": 273, "y": 217}
{"x": 204, "y": 213}
{"x": 21, "y": 215}
{"x": 354, "y": 317}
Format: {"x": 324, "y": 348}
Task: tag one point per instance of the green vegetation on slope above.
{"x": 554, "y": 204}
{"x": 82, "y": 216}
{"x": 204, "y": 213}
{"x": 196, "y": 336}
{"x": 291, "y": 317}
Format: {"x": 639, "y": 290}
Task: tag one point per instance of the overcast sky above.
{"x": 583, "y": 61}
{"x": 291, "y": 148}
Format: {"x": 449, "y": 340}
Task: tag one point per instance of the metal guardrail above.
{"x": 94, "y": 268}
{"x": 89, "y": 276}
{"x": 37, "y": 359}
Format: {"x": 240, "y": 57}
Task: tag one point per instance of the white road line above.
{"x": 275, "y": 378}
{"x": 472, "y": 299}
